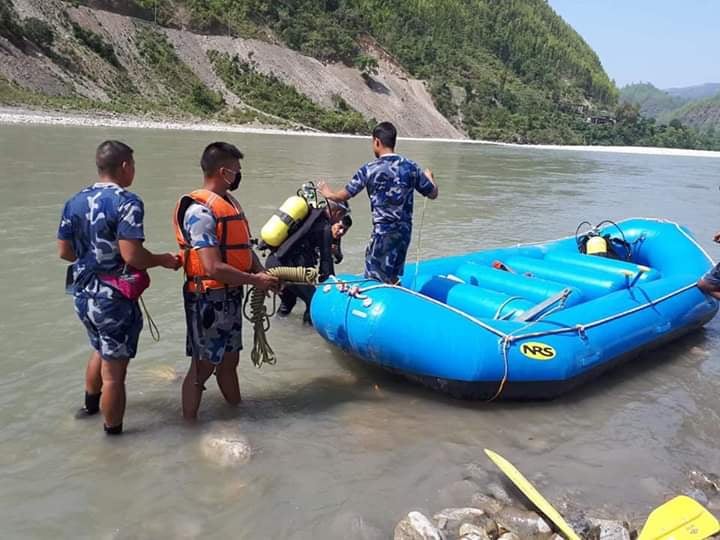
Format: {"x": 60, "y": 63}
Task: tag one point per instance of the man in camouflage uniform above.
{"x": 390, "y": 181}
{"x": 214, "y": 317}
{"x": 101, "y": 233}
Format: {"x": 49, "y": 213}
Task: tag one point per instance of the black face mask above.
{"x": 236, "y": 182}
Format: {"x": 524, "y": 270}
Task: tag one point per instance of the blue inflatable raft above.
{"x": 523, "y": 322}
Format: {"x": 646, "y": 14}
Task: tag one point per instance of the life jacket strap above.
{"x": 238, "y": 217}
{"x": 236, "y": 246}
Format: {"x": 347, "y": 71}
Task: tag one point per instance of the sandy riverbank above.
{"x": 19, "y": 116}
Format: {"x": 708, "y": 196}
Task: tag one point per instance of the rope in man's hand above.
{"x": 262, "y": 353}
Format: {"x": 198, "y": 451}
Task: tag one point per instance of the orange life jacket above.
{"x": 231, "y": 230}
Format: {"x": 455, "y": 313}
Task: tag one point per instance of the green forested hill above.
{"x": 699, "y": 91}
{"x": 510, "y": 70}
{"x": 652, "y": 101}
{"x": 689, "y": 106}
{"x": 702, "y": 114}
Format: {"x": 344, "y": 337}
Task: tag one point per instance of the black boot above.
{"x": 92, "y": 406}
{"x": 114, "y": 430}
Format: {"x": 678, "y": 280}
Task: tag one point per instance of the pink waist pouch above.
{"x": 131, "y": 284}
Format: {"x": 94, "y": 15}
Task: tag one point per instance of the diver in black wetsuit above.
{"x": 315, "y": 244}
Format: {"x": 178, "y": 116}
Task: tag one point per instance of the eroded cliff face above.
{"x": 70, "y": 67}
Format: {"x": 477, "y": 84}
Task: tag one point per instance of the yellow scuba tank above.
{"x": 596, "y": 245}
{"x": 277, "y": 228}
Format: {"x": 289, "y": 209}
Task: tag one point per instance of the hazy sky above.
{"x": 666, "y": 42}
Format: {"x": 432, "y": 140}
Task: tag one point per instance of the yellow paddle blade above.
{"x": 540, "y": 502}
{"x": 682, "y": 518}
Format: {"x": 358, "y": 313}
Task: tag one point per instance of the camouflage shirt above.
{"x": 93, "y": 221}
{"x": 390, "y": 181}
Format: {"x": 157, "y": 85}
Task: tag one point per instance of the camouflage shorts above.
{"x": 214, "y": 324}
{"x": 385, "y": 254}
{"x": 713, "y": 277}
{"x": 113, "y": 324}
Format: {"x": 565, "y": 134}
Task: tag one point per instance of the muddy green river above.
{"x": 340, "y": 450}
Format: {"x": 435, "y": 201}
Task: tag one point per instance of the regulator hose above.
{"x": 262, "y": 353}
{"x": 611, "y": 222}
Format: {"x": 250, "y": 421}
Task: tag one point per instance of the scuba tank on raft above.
{"x": 288, "y": 217}
{"x": 593, "y": 242}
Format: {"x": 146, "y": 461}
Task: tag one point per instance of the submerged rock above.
{"x": 707, "y": 482}
{"x": 450, "y": 519}
{"x": 163, "y": 373}
{"x": 714, "y": 505}
{"x": 415, "y": 526}
{"x": 457, "y": 493}
{"x": 697, "y": 494}
{"x": 476, "y": 473}
{"x": 352, "y": 526}
{"x": 499, "y": 492}
{"x": 486, "y": 503}
{"x": 610, "y": 529}
{"x": 226, "y": 448}
{"x": 525, "y": 523}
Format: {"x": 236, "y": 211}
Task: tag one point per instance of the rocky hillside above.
{"x": 494, "y": 70}
{"x": 702, "y": 114}
{"x": 78, "y": 57}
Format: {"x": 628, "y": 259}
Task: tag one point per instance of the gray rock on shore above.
{"x": 468, "y": 531}
{"x": 527, "y": 524}
{"x": 416, "y": 526}
{"x": 496, "y": 512}
{"x": 450, "y": 520}
{"x": 610, "y": 530}
{"x": 490, "y": 505}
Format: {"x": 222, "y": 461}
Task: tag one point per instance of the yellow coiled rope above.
{"x": 262, "y": 353}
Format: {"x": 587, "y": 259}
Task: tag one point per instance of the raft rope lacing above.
{"x": 262, "y": 353}
{"x": 507, "y": 339}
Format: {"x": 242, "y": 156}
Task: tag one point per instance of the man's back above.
{"x": 390, "y": 181}
{"x": 95, "y": 219}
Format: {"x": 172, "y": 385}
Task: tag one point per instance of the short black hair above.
{"x": 346, "y": 221}
{"x": 386, "y": 133}
{"x": 217, "y": 155}
{"x": 110, "y": 155}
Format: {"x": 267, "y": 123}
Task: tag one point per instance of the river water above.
{"x": 333, "y": 441}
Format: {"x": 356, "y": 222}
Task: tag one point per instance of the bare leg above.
{"x": 93, "y": 374}
{"x": 227, "y": 378}
{"x": 112, "y": 403}
{"x": 193, "y": 386}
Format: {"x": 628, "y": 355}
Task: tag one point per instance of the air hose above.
{"x": 262, "y": 353}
